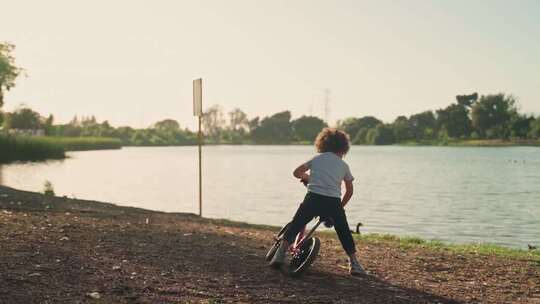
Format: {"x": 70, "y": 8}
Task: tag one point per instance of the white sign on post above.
{"x": 197, "y": 97}
{"x": 197, "y": 111}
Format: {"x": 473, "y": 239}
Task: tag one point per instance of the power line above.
{"x": 327, "y": 105}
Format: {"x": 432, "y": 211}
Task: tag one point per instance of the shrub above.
{"x": 48, "y": 188}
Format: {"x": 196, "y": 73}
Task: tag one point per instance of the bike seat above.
{"x": 327, "y": 221}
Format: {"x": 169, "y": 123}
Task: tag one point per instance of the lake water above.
{"x": 451, "y": 194}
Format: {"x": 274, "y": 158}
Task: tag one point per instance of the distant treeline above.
{"x": 275, "y": 129}
{"x": 470, "y": 117}
{"x": 25, "y": 121}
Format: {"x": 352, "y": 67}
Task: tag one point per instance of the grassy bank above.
{"x": 477, "y": 248}
{"x": 33, "y": 148}
{"x": 408, "y": 242}
{"x": 25, "y": 148}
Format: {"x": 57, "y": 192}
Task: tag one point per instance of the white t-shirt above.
{"x": 327, "y": 171}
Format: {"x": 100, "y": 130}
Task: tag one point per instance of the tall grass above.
{"x": 26, "y": 148}
{"x": 85, "y": 143}
{"x": 33, "y": 148}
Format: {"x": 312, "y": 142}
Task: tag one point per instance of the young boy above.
{"x": 327, "y": 172}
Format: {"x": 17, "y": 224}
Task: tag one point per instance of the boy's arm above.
{"x": 348, "y": 193}
{"x": 300, "y": 173}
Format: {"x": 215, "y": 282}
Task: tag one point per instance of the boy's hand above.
{"x": 304, "y": 179}
{"x": 301, "y": 174}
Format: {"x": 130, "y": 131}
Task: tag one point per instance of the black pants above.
{"x": 326, "y": 206}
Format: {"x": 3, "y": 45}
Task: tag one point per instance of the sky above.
{"x": 132, "y": 62}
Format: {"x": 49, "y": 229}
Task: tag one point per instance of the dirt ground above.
{"x": 58, "y": 250}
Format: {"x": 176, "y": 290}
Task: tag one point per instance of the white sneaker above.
{"x": 355, "y": 268}
{"x": 279, "y": 256}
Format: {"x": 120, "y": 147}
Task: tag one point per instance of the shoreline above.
{"x": 67, "y": 250}
{"x": 475, "y": 143}
{"x": 436, "y": 143}
{"x": 404, "y": 240}
{"x": 450, "y": 143}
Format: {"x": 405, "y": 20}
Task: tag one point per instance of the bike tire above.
{"x": 272, "y": 251}
{"x": 305, "y": 257}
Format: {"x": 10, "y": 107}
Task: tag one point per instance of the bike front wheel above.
{"x": 305, "y": 256}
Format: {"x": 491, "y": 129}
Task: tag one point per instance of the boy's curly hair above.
{"x": 332, "y": 140}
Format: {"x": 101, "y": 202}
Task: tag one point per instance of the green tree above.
{"x": 454, "y": 121}
{"x": 422, "y": 125}
{"x": 520, "y": 125}
{"x": 380, "y": 135}
{"x": 24, "y": 118}
{"x": 139, "y": 138}
{"x": 361, "y": 137}
{"x": 170, "y": 125}
{"x": 8, "y": 70}
{"x": 534, "y": 133}
{"x": 213, "y": 122}
{"x": 402, "y": 129}
{"x": 348, "y": 125}
{"x": 253, "y": 124}
{"x": 467, "y": 100}
{"x": 238, "y": 120}
{"x": 124, "y": 134}
{"x": 88, "y": 121}
{"x": 352, "y": 125}
{"x": 48, "y": 125}
{"x": 236, "y": 131}
{"x": 368, "y": 122}
{"x": 306, "y": 128}
{"x": 493, "y": 113}
{"x": 70, "y": 130}
{"x": 106, "y": 130}
{"x": 89, "y": 126}
{"x": 275, "y": 129}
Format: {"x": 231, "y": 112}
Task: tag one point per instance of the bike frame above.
{"x": 301, "y": 237}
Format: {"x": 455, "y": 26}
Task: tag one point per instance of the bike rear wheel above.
{"x": 305, "y": 256}
{"x": 274, "y": 247}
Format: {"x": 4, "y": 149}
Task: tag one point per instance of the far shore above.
{"x": 476, "y": 143}
{"x": 91, "y": 144}
{"x": 57, "y": 249}
{"x": 449, "y": 143}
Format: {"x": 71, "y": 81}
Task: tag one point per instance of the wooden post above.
{"x": 197, "y": 111}
{"x": 200, "y": 168}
